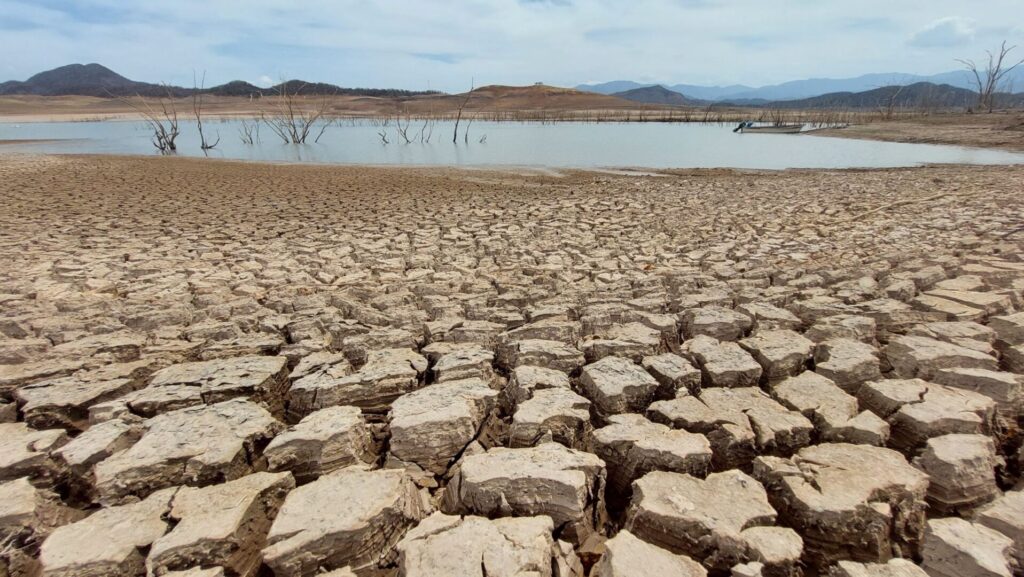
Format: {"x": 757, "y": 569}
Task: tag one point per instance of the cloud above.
{"x": 264, "y": 81}
{"x": 414, "y": 44}
{"x": 949, "y": 31}
{"x": 443, "y": 57}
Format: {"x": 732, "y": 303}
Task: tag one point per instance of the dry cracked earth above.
{"x": 224, "y": 369}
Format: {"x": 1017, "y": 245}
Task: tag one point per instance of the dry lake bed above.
{"x": 216, "y": 368}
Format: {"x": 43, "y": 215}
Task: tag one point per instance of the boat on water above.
{"x": 769, "y": 128}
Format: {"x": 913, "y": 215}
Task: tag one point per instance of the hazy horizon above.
{"x": 441, "y": 46}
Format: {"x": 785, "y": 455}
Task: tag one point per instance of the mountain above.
{"x": 711, "y": 92}
{"x": 917, "y": 95}
{"x": 655, "y": 95}
{"x": 84, "y": 80}
{"x": 609, "y": 88}
{"x": 98, "y": 80}
{"x": 811, "y": 87}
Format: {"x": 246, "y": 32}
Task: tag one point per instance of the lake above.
{"x": 555, "y": 145}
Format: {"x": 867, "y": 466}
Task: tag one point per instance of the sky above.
{"x": 447, "y": 45}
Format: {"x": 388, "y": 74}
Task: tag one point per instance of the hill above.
{"x": 656, "y": 95}
{"x": 804, "y": 88}
{"x": 98, "y": 80}
{"x": 917, "y": 95}
{"x": 83, "y": 80}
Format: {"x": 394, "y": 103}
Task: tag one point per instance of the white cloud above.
{"x": 264, "y": 81}
{"x": 383, "y": 44}
{"x": 949, "y": 31}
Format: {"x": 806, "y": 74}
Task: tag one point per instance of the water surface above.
{"x": 555, "y": 145}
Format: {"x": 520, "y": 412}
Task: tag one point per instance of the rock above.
{"x": 82, "y": 453}
{"x": 556, "y": 414}
{"x": 848, "y": 363}
{"x": 14, "y": 376}
{"x": 781, "y": 353}
{"x": 1009, "y": 328}
{"x": 964, "y": 334}
{"x": 27, "y": 516}
{"x": 387, "y": 375}
{"x": 673, "y": 373}
{"x": 525, "y": 380}
{"x": 8, "y": 412}
{"x": 718, "y": 521}
{"x": 958, "y": 548}
{"x": 324, "y": 441}
{"x": 465, "y": 363}
{"x": 716, "y": 322}
{"x": 991, "y": 303}
{"x": 617, "y": 385}
{"x": 633, "y": 341}
{"x": 893, "y": 568}
{"x": 28, "y": 453}
{"x": 627, "y": 556}
{"x": 111, "y": 541}
{"x": 431, "y": 426}
{"x": 261, "y": 379}
{"x": 851, "y": 327}
{"x": 351, "y": 517}
{"x": 1006, "y": 389}
{"x": 319, "y": 361}
{"x": 739, "y": 423}
{"x": 947, "y": 309}
{"x": 632, "y": 446}
{"x": 447, "y": 546}
{"x": 848, "y": 501}
{"x": 552, "y": 329}
{"x": 917, "y": 410}
{"x": 223, "y": 525}
{"x": 553, "y": 355}
{"x": 723, "y": 364}
{"x": 768, "y": 317}
{"x": 549, "y": 479}
{"x": 835, "y": 413}
{"x": 1006, "y": 515}
{"x": 922, "y": 357}
{"x": 1013, "y": 357}
{"x": 64, "y": 402}
{"x": 962, "y": 470}
{"x": 195, "y": 446}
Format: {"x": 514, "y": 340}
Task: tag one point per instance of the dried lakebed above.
{"x": 552, "y": 145}
{"x": 223, "y": 369}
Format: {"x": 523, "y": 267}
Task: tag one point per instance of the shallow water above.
{"x": 558, "y": 145}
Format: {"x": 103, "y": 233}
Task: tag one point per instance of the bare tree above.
{"x": 249, "y": 132}
{"x": 890, "y": 102}
{"x": 294, "y": 122}
{"x": 989, "y": 80}
{"x": 163, "y": 122}
{"x": 465, "y": 101}
{"x": 197, "y": 109}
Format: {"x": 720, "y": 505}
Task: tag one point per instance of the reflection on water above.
{"x": 648, "y": 145}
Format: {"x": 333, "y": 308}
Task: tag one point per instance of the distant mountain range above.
{"x": 656, "y": 95}
{"x": 800, "y": 89}
{"x": 917, "y": 95}
{"x": 98, "y": 80}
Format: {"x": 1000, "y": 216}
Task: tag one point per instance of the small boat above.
{"x": 769, "y": 129}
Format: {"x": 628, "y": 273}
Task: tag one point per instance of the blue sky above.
{"x": 419, "y": 44}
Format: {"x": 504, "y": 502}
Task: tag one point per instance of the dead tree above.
{"x": 890, "y": 102}
{"x": 292, "y": 121}
{"x": 163, "y": 122}
{"x": 197, "y": 109}
{"x": 249, "y": 133}
{"x": 458, "y": 118}
{"x": 989, "y": 80}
